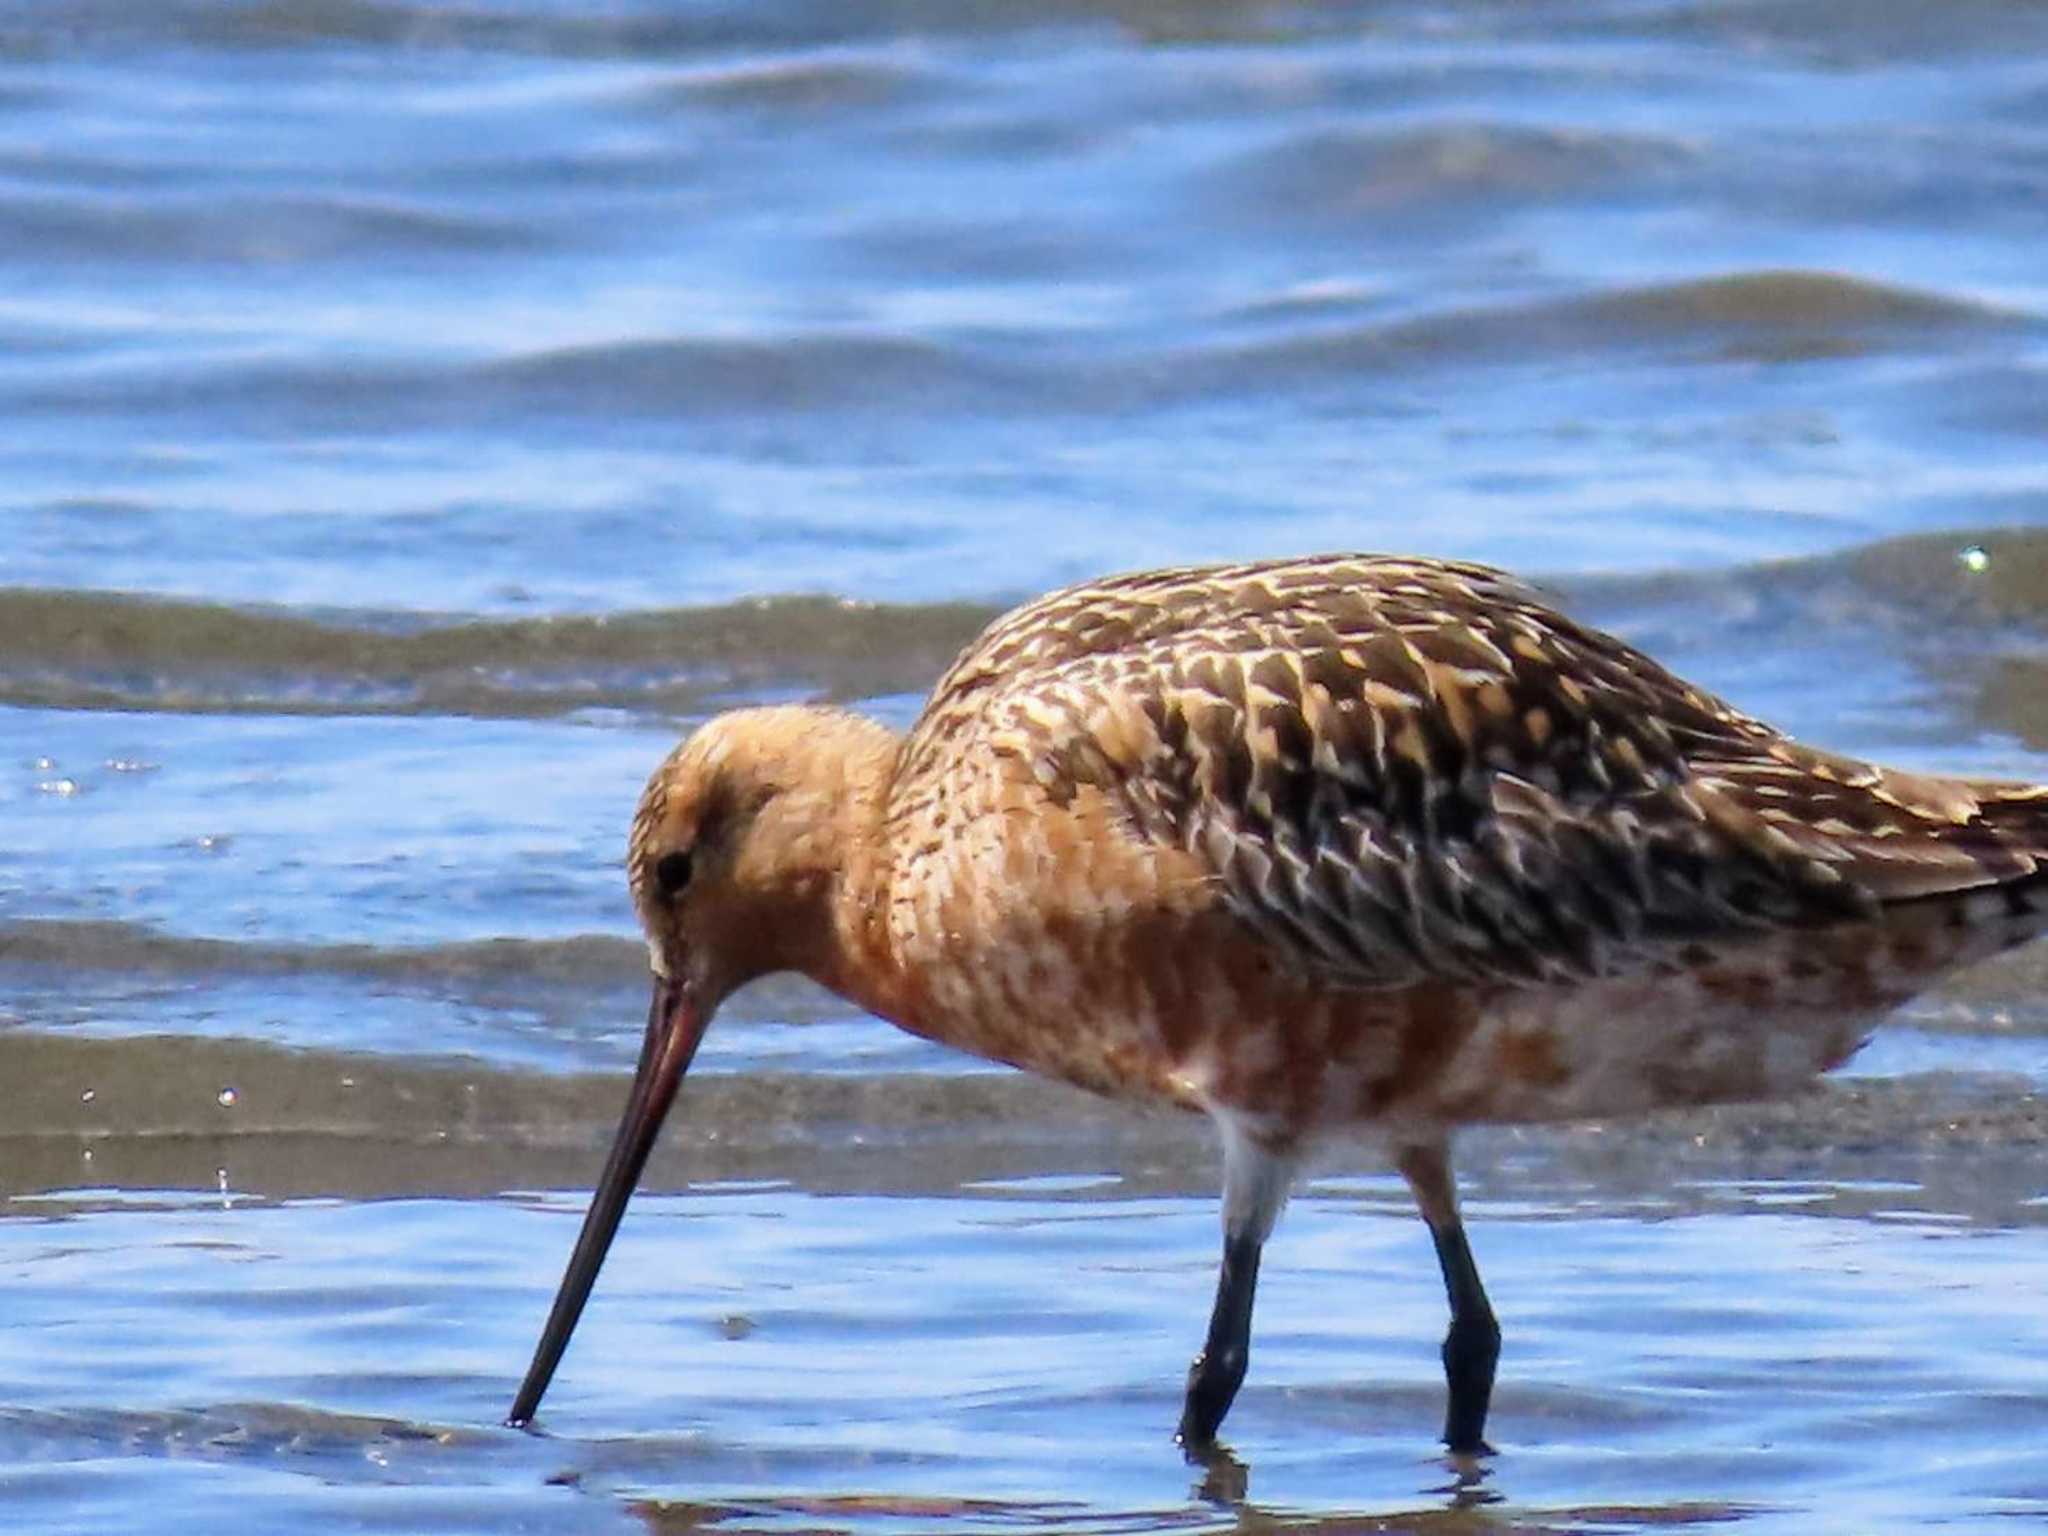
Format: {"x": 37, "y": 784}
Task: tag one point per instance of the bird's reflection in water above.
{"x": 1225, "y": 1479}
{"x": 1225, "y": 1482}
{"x": 1465, "y": 1504}
{"x": 1467, "y": 1488}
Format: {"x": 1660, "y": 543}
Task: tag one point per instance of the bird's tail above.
{"x": 1968, "y": 857}
{"x": 1980, "y": 870}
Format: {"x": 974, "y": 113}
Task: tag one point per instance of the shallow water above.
{"x": 416, "y": 415}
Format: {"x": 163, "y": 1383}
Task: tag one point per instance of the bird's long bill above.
{"x": 674, "y": 1026}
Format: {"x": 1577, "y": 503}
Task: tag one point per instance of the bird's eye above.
{"x": 671, "y": 874}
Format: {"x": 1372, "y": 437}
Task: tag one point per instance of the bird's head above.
{"x": 736, "y": 861}
{"x": 741, "y": 840}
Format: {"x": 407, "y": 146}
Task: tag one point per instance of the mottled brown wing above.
{"x": 1399, "y": 770}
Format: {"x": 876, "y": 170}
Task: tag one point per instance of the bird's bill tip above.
{"x": 675, "y": 1024}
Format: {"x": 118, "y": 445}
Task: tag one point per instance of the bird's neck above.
{"x": 824, "y": 860}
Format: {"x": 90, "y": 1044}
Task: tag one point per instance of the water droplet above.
{"x": 44, "y": 764}
{"x": 213, "y": 842}
{"x": 88, "y": 1154}
{"x": 348, "y": 1082}
{"x": 60, "y": 787}
{"x": 1974, "y": 557}
{"x": 226, "y": 1097}
{"x": 734, "y": 1325}
{"x": 88, "y": 1096}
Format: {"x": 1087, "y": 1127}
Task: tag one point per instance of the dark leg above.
{"x": 1255, "y": 1181}
{"x": 1219, "y": 1369}
{"x": 1472, "y": 1346}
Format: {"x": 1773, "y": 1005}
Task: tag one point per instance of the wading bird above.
{"x": 1348, "y": 844}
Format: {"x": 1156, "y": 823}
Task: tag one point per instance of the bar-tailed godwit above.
{"x": 1348, "y": 844}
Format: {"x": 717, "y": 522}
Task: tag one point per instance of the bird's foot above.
{"x": 1213, "y": 1380}
{"x": 1469, "y": 1445}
